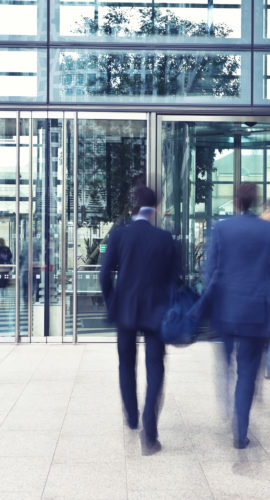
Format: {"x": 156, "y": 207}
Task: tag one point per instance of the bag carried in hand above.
{"x": 178, "y": 327}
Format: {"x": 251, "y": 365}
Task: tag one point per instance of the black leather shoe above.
{"x": 149, "y": 446}
{"x": 240, "y": 444}
{"x": 133, "y": 421}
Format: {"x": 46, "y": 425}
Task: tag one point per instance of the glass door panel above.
{"x": 24, "y": 218}
{"x": 47, "y": 226}
{"x": 210, "y": 159}
{"x": 8, "y": 161}
{"x": 197, "y": 182}
{"x": 54, "y": 220}
{"x": 68, "y": 197}
{"x": 38, "y": 225}
{"x": 177, "y": 185}
{"x": 111, "y": 160}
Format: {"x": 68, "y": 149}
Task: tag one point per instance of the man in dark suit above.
{"x": 145, "y": 260}
{"x": 238, "y": 295}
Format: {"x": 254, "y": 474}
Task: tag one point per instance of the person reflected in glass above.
{"x": 237, "y": 297}
{"x": 5, "y": 259}
{"x": 144, "y": 258}
{"x": 24, "y": 255}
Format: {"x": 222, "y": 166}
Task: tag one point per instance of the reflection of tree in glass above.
{"x": 112, "y": 156}
{"x": 111, "y": 159}
{"x": 162, "y": 73}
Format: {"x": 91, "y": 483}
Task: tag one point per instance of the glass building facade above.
{"x": 97, "y": 96}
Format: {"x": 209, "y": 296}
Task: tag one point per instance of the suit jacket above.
{"x": 237, "y": 296}
{"x": 145, "y": 260}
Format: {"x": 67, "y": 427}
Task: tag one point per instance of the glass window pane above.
{"x": 268, "y": 165}
{"x": 252, "y": 165}
{"x": 82, "y": 75}
{"x": 267, "y": 19}
{"x": 153, "y": 20}
{"x": 222, "y": 199}
{"x": 268, "y": 191}
{"x": 23, "y": 19}
{"x": 261, "y": 78}
{"x": 262, "y": 21}
{"x": 23, "y": 75}
{"x": 223, "y": 165}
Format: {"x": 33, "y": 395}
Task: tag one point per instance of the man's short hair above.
{"x": 143, "y": 197}
{"x": 246, "y": 195}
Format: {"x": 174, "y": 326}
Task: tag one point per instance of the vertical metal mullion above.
{"x": 265, "y": 16}
{"x": 151, "y": 151}
{"x": 48, "y": 51}
{"x": 17, "y": 232}
{"x": 63, "y": 236}
{"x": 75, "y": 229}
{"x": 151, "y": 166}
{"x": 264, "y": 173}
{"x": 265, "y": 70}
{"x": 157, "y": 136}
{"x": 237, "y": 165}
{"x": 148, "y": 150}
{"x": 30, "y": 233}
{"x": 252, "y": 53}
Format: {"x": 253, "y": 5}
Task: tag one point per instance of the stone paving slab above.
{"x": 63, "y": 434}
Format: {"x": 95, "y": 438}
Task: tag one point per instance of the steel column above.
{"x": 30, "y": 232}
{"x": 17, "y": 231}
{"x": 75, "y": 229}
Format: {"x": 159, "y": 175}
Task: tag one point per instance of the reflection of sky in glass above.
{"x": 24, "y": 158}
{"x": 7, "y": 171}
{"x": 252, "y": 165}
{"x": 18, "y": 76}
{"x": 267, "y": 81}
{"x": 8, "y": 159}
{"x": 222, "y": 199}
{"x": 71, "y": 16}
{"x": 223, "y": 164}
{"x": 18, "y": 19}
{"x": 268, "y": 165}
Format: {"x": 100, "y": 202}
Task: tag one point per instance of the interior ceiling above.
{"x": 221, "y": 134}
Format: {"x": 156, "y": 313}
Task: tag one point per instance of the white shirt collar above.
{"x": 144, "y": 213}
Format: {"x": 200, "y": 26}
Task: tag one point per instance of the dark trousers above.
{"x": 154, "y": 354}
{"x": 248, "y": 354}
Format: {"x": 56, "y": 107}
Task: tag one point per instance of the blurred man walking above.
{"x": 145, "y": 260}
{"x": 238, "y": 295}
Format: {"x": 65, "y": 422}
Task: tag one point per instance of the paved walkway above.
{"x": 63, "y": 436}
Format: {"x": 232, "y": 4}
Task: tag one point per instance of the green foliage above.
{"x": 111, "y": 159}
{"x": 92, "y": 252}
{"x": 205, "y": 157}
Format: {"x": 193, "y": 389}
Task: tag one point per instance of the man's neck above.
{"x": 145, "y": 213}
